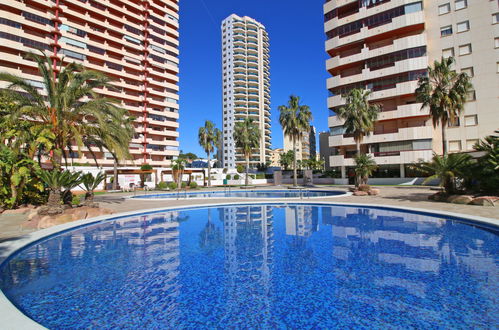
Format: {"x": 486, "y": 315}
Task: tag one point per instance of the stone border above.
{"x": 144, "y": 198}
{"x": 13, "y": 318}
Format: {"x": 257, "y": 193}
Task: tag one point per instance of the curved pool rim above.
{"x": 15, "y": 318}
{"x": 181, "y": 195}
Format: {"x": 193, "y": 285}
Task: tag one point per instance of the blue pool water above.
{"x": 265, "y": 266}
{"x": 247, "y": 194}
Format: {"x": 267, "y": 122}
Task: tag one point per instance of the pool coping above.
{"x": 179, "y": 195}
{"x": 13, "y": 318}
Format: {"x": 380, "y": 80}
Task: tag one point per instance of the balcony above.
{"x": 365, "y": 32}
{"x": 400, "y": 134}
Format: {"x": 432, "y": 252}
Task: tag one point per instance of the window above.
{"x": 469, "y": 71}
{"x": 454, "y": 146}
{"x": 497, "y": 64}
{"x": 454, "y": 122}
{"x": 495, "y": 18}
{"x": 446, "y": 31}
{"x": 471, "y": 96}
{"x": 471, "y": 120}
{"x": 444, "y": 9}
{"x": 448, "y": 52}
{"x": 461, "y": 4}
{"x": 496, "y": 42}
{"x": 465, "y": 49}
{"x": 471, "y": 143}
{"x": 463, "y": 26}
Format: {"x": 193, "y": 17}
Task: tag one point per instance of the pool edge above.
{"x": 13, "y": 318}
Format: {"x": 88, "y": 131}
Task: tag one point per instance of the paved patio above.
{"x": 399, "y": 196}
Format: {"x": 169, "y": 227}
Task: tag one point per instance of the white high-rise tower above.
{"x": 246, "y": 85}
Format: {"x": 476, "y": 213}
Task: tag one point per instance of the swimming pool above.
{"x": 261, "y": 266}
{"x": 246, "y": 194}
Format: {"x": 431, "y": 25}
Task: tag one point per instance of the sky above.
{"x": 297, "y": 61}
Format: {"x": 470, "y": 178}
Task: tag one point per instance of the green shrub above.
{"x": 76, "y": 200}
{"x": 162, "y": 185}
{"x": 240, "y": 168}
{"x": 228, "y": 176}
{"x": 236, "y": 177}
{"x": 172, "y": 185}
{"x": 260, "y": 176}
{"x": 268, "y": 176}
{"x": 146, "y": 167}
{"x": 193, "y": 185}
{"x": 183, "y": 184}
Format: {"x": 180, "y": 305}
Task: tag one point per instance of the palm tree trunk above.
{"x": 209, "y": 170}
{"x": 246, "y": 181}
{"x": 115, "y": 174}
{"x": 54, "y": 201}
{"x": 295, "y": 177}
{"x": 357, "y": 143}
{"x": 444, "y": 144}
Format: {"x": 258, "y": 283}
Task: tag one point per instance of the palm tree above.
{"x": 54, "y": 180}
{"x": 444, "y": 92}
{"x": 359, "y": 115}
{"x": 364, "y": 167}
{"x": 446, "y": 168}
{"x": 70, "y": 108}
{"x": 90, "y": 183}
{"x": 208, "y": 138}
{"x": 247, "y": 137}
{"x": 178, "y": 170}
{"x": 295, "y": 120}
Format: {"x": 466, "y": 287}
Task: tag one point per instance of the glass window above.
{"x": 461, "y": 4}
{"x": 469, "y": 71}
{"x": 446, "y": 31}
{"x": 496, "y": 42}
{"x": 471, "y": 96}
{"x": 495, "y": 18}
{"x": 471, "y": 120}
{"x": 463, "y": 26}
{"x": 465, "y": 49}
{"x": 448, "y": 52}
{"x": 413, "y": 7}
{"x": 470, "y": 144}
{"x": 444, "y": 9}
{"x": 454, "y": 145}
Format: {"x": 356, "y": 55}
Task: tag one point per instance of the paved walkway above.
{"x": 416, "y": 197}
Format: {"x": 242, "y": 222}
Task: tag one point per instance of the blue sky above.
{"x": 297, "y": 60}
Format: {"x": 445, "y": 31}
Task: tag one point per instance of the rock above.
{"x": 360, "y": 193}
{"x": 460, "y": 199}
{"x": 32, "y": 216}
{"x": 79, "y": 214}
{"x": 46, "y": 222}
{"x": 374, "y": 192}
{"x": 484, "y": 201}
{"x": 20, "y": 210}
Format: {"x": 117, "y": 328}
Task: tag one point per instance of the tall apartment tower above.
{"x": 133, "y": 42}
{"x": 385, "y": 46}
{"x": 246, "y": 85}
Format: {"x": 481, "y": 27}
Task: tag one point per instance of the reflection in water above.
{"x": 261, "y": 267}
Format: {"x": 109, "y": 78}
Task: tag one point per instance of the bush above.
{"x": 240, "y": 168}
{"x": 162, "y": 185}
{"x": 225, "y": 170}
{"x": 172, "y": 185}
{"x": 183, "y": 184}
{"x": 228, "y": 176}
{"x": 146, "y": 167}
{"x": 193, "y": 185}
{"x": 260, "y": 176}
{"x": 268, "y": 176}
{"x": 364, "y": 187}
{"x": 236, "y": 177}
{"x": 76, "y": 200}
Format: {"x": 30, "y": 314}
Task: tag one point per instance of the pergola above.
{"x": 188, "y": 171}
{"x": 130, "y": 172}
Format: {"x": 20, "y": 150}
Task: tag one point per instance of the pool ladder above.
{"x": 179, "y": 191}
{"x": 302, "y": 195}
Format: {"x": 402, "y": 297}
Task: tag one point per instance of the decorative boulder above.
{"x": 360, "y": 193}
{"x": 373, "y": 192}
{"x": 484, "y": 201}
{"x": 460, "y": 199}
{"x": 438, "y": 197}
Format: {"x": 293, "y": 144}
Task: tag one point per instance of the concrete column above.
{"x": 402, "y": 170}
{"x": 343, "y": 172}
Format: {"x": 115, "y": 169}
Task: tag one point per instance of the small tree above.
{"x": 286, "y": 159}
{"x": 178, "y": 171}
{"x": 359, "y": 115}
{"x": 295, "y": 120}
{"x": 54, "y": 180}
{"x": 90, "y": 183}
{"x": 488, "y": 164}
{"x": 364, "y": 168}
{"x": 247, "y": 137}
{"x": 444, "y": 92}
{"x": 208, "y": 137}
{"x": 143, "y": 176}
{"x": 446, "y": 168}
